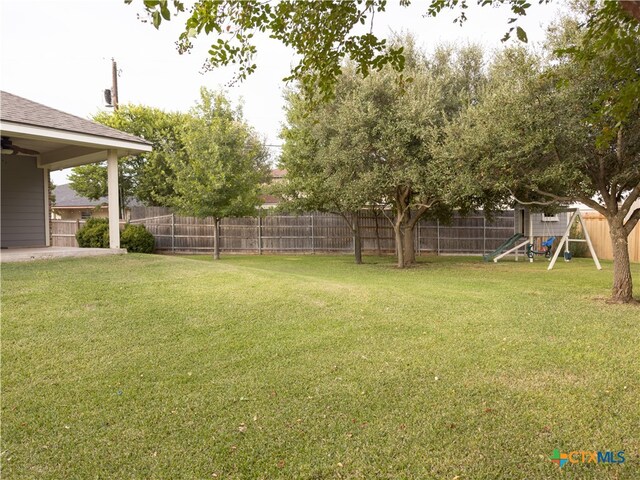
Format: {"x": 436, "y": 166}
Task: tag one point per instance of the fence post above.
{"x": 438, "y": 237}
{"x": 260, "y": 234}
{"x": 484, "y": 234}
{"x": 313, "y": 237}
{"x": 173, "y": 233}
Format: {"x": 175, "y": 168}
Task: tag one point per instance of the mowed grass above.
{"x": 312, "y": 367}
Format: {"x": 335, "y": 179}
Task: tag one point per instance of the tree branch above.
{"x": 421, "y": 211}
{"x": 632, "y": 221}
{"x": 632, "y": 197}
{"x": 589, "y": 202}
{"x": 553, "y": 196}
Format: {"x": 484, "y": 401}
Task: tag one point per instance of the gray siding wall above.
{"x": 549, "y": 228}
{"x": 22, "y": 208}
{"x": 542, "y": 228}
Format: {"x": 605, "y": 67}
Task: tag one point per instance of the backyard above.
{"x": 143, "y": 366}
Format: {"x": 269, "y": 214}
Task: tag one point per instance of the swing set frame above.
{"x": 564, "y": 241}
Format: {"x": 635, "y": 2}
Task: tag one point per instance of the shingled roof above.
{"x": 66, "y": 197}
{"x": 20, "y": 110}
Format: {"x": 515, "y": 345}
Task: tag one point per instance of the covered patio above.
{"x": 37, "y": 139}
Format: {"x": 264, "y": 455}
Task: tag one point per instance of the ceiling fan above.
{"x": 9, "y": 148}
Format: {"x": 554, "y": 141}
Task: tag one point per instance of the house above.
{"x": 37, "y": 139}
{"x": 268, "y": 200}
{"x": 69, "y": 205}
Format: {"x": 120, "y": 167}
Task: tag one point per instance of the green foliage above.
{"x": 536, "y": 135}
{"x": 91, "y": 180}
{"x": 611, "y": 40}
{"x": 149, "y": 176}
{"x": 224, "y": 162}
{"x": 372, "y": 145}
{"x": 94, "y": 234}
{"x": 578, "y": 249}
{"x": 322, "y": 34}
{"x": 136, "y": 239}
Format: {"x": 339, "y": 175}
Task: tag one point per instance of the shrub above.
{"x": 136, "y": 239}
{"x": 94, "y": 234}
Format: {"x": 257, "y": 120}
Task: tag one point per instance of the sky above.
{"x": 58, "y": 53}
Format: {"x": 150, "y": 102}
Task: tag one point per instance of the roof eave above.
{"x": 72, "y": 138}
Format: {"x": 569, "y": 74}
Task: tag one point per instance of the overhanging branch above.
{"x": 632, "y": 197}
{"x": 632, "y": 221}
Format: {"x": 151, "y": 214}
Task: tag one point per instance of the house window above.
{"x": 550, "y": 218}
{"x": 85, "y": 214}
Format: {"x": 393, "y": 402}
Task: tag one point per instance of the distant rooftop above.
{"x": 66, "y": 197}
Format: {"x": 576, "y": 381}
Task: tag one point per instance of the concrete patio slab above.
{"x": 49, "y": 253}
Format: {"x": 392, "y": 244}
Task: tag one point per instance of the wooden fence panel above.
{"x": 63, "y": 232}
{"x": 310, "y": 233}
{"x": 599, "y": 233}
{"x": 325, "y": 232}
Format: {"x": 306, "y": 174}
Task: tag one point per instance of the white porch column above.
{"x": 114, "y": 204}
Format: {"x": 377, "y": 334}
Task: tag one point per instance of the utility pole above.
{"x": 114, "y": 88}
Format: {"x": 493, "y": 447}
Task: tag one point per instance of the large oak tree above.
{"x": 539, "y": 135}
{"x": 372, "y": 144}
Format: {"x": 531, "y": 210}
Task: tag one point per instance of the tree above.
{"x": 152, "y": 172}
{"x": 371, "y": 144}
{"x": 149, "y": 176}
{"x": 91, "y": 181}
{"x": 223, "y": 166}
{"x": 611, "y": 36}
{"x": 324, "y": 170}
{"x": 323, "y": 34}
{"x": 529, "y": 138}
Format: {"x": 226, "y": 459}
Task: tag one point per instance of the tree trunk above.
{"x": 397, "y": 230}
{"x": 622, "y": 291}
{"x": 378, "y": 247}
{"x": 408, "y": 244}
{"x": 357, "y": 241}
{"x": 216, "y": 238}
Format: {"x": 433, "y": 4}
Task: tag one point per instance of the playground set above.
{"x": 531, "y": 225}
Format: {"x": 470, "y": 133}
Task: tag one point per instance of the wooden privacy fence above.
{"x": 323, "y": 232}
{"x": 599, "y": 232}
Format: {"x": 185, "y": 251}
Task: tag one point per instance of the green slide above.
{"x": 510, "y": 242}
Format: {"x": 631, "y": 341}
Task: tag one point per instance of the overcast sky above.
{"x": 58, "y": 52}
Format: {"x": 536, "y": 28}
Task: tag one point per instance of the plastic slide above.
{"x": 508, "y": 243}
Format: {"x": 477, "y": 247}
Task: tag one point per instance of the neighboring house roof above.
{"x": 269, "y": 199}
{"x": 26, "y": 112}
{"x": 66, "y": 197}
{"x": 278, "y": 173}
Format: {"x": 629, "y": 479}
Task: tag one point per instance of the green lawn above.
{"x": 312, "y": 367}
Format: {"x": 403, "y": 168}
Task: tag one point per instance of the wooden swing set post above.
{"x": 565, "y": 241}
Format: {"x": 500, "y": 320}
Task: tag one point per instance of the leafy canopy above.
{"x": 322, "y": 33}
{"x": 224, "y": 162}
{"x": 149, "y": 176}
